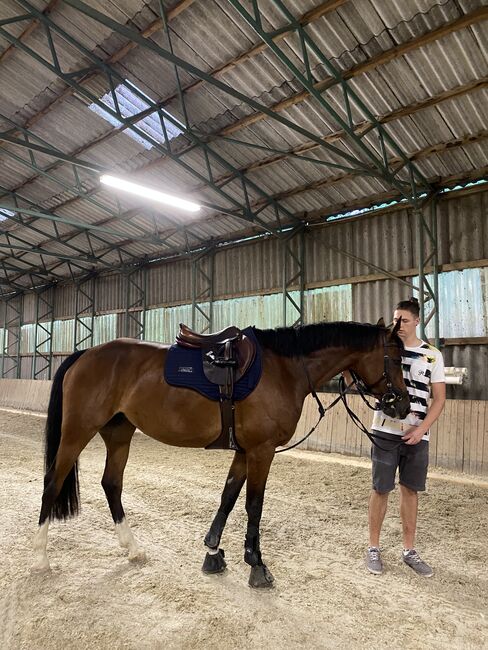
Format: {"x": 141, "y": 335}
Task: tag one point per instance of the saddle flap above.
{"x": 234, "y": 357}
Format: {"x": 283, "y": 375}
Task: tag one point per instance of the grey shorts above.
{"x": 411, "y": 460}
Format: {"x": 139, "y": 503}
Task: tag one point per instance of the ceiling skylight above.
{"x": 129, "y": 104}
{"x": 5, "y": 214}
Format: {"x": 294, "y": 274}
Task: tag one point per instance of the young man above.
{"x": 405, "y": 442}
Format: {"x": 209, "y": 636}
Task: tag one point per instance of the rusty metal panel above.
{"x": 462, "y": 304}
{"x": 169, "y": 283}
{"x": 475, "y": 359}
{"x": 374, "y": 300}
{"x": 244, "y": 269}
{"x": 464, "y": 221}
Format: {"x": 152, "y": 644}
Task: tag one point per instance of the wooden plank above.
{"x": 459, "y": 439}
{"x": 470, "y": 424}
{"x": 434, "y": 435}
{"x": 442, "y": 437}
{"x": 483, "y": 429}
{"x": 457, "y": 435}
{"x": 478, "y": 409}
{"x": 464, "y": 436}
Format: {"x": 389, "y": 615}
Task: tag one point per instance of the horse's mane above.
{"x": 295, "y": 341}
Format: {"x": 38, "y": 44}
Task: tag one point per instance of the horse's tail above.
{"x": 67, "y": 502}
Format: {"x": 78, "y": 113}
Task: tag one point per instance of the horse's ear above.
{"x": 397, "y": 326}
{"x": 381, "y": 322}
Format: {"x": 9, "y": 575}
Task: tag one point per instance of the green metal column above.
{"x": 293, "y": 249}
{"x": 43, "y": 334}
{"x": 203, "y": 291}
{"x": 428, "y": 262}
{"x": 12, "y": 325}
{"x": 84, "y": 309}
{"x": 135, "y": 302}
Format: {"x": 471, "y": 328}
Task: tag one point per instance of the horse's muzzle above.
{"x": 399, "y": 408}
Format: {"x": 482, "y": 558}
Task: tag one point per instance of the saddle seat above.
{"x": 229, "y": 347}
{"x": 190, "y": 339}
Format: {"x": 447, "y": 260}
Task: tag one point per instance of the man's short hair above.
{"x": 411, "y": 305}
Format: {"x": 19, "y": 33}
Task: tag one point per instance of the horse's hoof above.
{"x": 41, "y": 566}
{"x": 214, "y": 563}
{"x": 261, "y": 577}
{"x": 137, "y": 557}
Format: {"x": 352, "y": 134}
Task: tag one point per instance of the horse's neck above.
{"x": 322, "y": 365}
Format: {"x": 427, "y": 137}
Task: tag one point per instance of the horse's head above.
{"x": 380, "y": 370}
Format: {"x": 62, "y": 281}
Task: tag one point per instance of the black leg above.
{"x": 117, "y": 440}
{"x": 117, "y": 437}
{"x": 214, "y": 560}
{"x": 258, "y": 464}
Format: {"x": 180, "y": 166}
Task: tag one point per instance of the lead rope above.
{"x": 342, "y": 395}
{"x": 343, "y": 390}
{"x": 322, "y": 410}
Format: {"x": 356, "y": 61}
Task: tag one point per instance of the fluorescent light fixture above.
{"x": 148, "y": 193}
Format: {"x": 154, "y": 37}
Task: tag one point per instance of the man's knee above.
{"x": 408, "y": 490}
{"x": 381, "y": 493}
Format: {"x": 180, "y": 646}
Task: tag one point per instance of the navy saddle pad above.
{"x": 184, "y": 368}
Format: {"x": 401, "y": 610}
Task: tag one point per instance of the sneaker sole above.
{"x": 375, "y": 571}
{"x": 422, "y": 575}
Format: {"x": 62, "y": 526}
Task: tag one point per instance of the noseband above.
{"x": 389, "y": 400}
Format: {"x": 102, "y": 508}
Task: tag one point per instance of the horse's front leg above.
{"x": 258, "y": 464}
{"x": 214, "y": 560}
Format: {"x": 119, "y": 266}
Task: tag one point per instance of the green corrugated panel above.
{"x": 104, "y": 328}
{"x": 463, "y": 300}
{"x": 327, "y": 303}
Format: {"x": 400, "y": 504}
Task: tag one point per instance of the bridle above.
{"x": 387, "y": 403}
{"x": 389, "y": 400}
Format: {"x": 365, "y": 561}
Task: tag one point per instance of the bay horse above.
{"x": 117, "y": 387}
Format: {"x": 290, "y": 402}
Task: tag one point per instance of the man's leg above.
{"x": 378, "y": 502}
{"x": 413, "y": 472}
{"x": 384, "y": 466}
{"x": 409, "y": 501}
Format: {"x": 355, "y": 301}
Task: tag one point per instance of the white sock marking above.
{"x": 41, "y": 562}
{"x": 128, "y": 541}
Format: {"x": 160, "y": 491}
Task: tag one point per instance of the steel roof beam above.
{"x": 112, "y": 76}
{"x": 180, "y": 63}
{"x": 126, "y": 216}
{"x": 372, "y": 63}
{"x": 405, "y": 111}
{"x": 76, "y": 162}
{"x": 46, "y": 214}
{"x": 310, "y": 48}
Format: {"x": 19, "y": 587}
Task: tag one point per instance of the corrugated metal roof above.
{"x": 350, "y": 36}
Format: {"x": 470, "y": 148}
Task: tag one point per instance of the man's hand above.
{"x": 413, "y": 436}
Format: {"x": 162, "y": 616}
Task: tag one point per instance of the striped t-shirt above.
{"x": 422, "y": 366}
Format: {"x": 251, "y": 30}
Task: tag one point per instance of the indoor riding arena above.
{"x": 276, "y": 176}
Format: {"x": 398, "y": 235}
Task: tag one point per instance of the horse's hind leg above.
{"x": 214, "y": 560}
{"x": 60, "y": 496}
{"x": 117, "y": 435}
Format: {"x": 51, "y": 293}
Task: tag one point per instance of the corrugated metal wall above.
{"x": 387, "y": 240}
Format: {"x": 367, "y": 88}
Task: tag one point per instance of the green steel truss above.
{"x": 12, "y": 326}
{"x": 237, "y": 195}
{"x": 135, "y": 302}
{"x": 43, "y": 334}
{"x": 202, "y": 287}
{"x": 84, "y": 312}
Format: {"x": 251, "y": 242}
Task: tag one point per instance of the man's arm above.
{"x": 415, "y": 434}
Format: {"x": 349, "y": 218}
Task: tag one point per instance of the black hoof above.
{"x": 214, "y": 563}
{"x": 261, "y": 577}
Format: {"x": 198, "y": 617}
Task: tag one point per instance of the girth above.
{"x": 226, "y": 356}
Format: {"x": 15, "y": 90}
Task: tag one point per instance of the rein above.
{"x": 322, "y": 410}
{"x": 387, "y": 401}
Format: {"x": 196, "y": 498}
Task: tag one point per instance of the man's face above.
{"x": 408, "y": 325}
